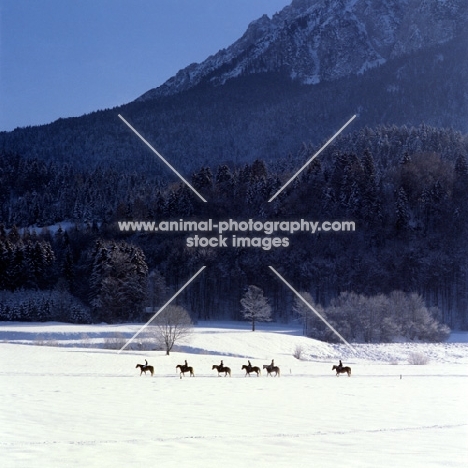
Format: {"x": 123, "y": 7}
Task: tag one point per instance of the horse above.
{"x": 342, "y": 370}
{"x": 144, "y": 368}
{"x": 271, "y": 369}
{"x": 221, "y": 369}
{"x": 249, "y": 369}
{"x": 183, "y": 369}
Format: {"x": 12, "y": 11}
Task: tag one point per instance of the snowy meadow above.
{"x": 66, "y": 400}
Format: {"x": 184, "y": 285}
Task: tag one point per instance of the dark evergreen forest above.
{"x": 405, "y": 188}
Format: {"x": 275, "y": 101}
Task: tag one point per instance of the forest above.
{"x": 62, "y": 256}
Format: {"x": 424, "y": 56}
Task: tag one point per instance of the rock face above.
{"x": 313, "y": 41}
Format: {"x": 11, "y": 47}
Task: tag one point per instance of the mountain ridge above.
{"x": 267, "y": 114}
{"x": 323, "y": 40}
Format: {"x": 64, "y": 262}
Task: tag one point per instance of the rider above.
{"x": 272, "y": 363}
{"x": 340, "y": 364}
{"x": 249, "y": 365}
{"x": 221, "y": 364}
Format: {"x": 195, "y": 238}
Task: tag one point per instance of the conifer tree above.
{"x": 402, "y": 211}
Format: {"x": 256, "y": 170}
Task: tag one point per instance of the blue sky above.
{"x": 64, "y": 58}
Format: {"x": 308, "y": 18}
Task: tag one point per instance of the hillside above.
{"x": 233, "y": 109}
{"x": 238, "y": 125}
{"x": 235, "y": 341}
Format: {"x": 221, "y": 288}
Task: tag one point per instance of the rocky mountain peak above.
{"x": 323, "y": 40}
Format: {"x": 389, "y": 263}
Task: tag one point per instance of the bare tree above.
{"x": 255, "y": 306}
{"x": 173, "y": 324}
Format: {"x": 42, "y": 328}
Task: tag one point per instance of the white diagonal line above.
{"x": 161, "y": 157}
{"x": 310, "y": 307}
{"x": 312, "y": 158}
{"x": 161, "y": 309}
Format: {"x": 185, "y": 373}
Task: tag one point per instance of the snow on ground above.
{"x": 71, "y": 406}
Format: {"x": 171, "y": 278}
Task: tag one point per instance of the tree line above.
{"x": 405, "y": 189}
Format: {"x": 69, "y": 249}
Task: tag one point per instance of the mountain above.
{"x": 321, "y": 40}
{"x": 399, "y": 172}
{"x": 291, "y": 79}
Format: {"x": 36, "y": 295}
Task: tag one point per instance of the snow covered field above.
{"x": 72, "y": 406}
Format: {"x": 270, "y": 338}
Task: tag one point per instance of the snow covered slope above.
{"x": 235, "y": 339}
{"x": 85, "y": 407}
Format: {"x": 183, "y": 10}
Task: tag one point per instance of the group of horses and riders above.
{"x": 270, "y": 368}
{"x": 249, "y": 369}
